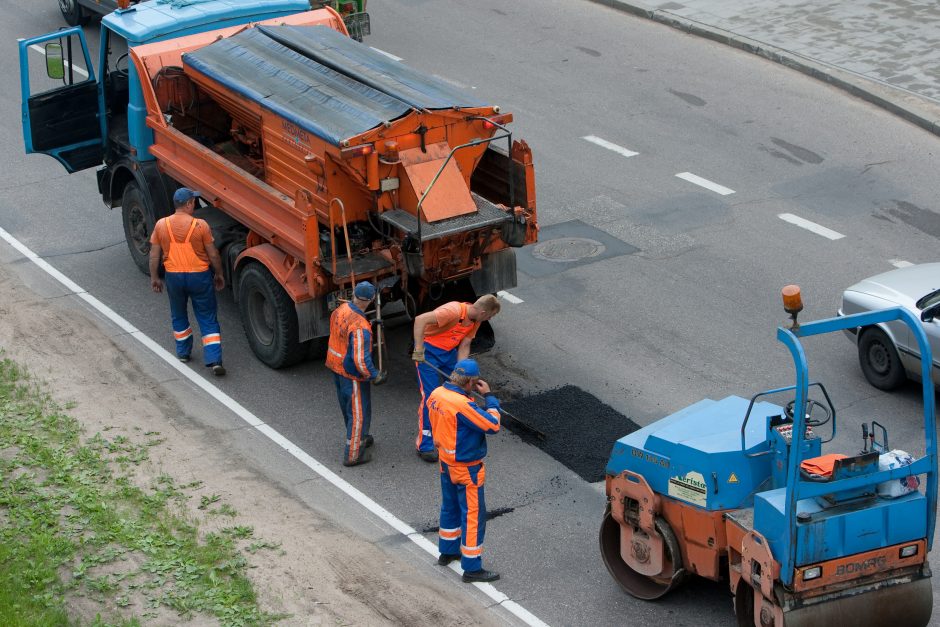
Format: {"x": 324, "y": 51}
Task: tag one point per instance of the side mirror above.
{"x": 930, "y": 313}
{"x": 55, "y": 62}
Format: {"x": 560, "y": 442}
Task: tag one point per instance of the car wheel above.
{"x": 73, "y": 13}
{"x": 879, "y": 360}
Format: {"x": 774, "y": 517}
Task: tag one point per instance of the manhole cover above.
{"x": 567, "y": 249}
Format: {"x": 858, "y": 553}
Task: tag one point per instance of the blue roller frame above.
{"x": 797, "y": 489}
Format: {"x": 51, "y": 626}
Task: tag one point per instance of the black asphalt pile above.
{"x": 579, "y": 429}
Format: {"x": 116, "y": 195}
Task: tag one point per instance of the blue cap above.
{"x": 467, "y": 368}
{"x": 183, "y": 195}
{"x": 364, "y": 291}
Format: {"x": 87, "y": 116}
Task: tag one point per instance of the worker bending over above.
{"x": 186, "y": 247}
{"x": 349, "y": 356}
{"x": 460, "y": 427}
{"x": 442, "y": 337}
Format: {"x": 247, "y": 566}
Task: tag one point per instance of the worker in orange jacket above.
{"x": 442, "y": 337}
{"x": 349, "y": 356}
{"x": 460, "y": 427}
{"x": 186, "y": 247}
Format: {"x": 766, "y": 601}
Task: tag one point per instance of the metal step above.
{"x": 367, "y": 264}
{"x": 487, "y": 215}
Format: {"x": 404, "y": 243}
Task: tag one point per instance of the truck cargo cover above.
{"x": 321, "y": 80}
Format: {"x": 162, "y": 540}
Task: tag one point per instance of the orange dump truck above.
{"x": 325, "y": 163}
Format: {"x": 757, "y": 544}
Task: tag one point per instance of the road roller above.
{"x": 749, "y": 490}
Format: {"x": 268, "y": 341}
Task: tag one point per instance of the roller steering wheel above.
{"x": 811, "y": 406}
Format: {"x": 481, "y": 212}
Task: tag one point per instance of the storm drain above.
{"x": 579, "y": 429}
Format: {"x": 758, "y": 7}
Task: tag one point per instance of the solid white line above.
{"x": 387, "y": 54}
{"x": 900, "y": 263}
{"x": 395, "y": 523}
{"x": 603, "y": 143}
{"x": 77, "y": 69}
{"x": 515, "y": 300}
{"x": 818, "y": 229}
{"x": 698, "y": 180}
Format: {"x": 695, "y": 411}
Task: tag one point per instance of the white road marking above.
{"x": 818, "y": 229}
{"x": 603, "y": 143}
{"x": 515, "y": 300}
{"x": 900, "y": 263}
{"x": 76, "y": 69}
{"x": 239, "y": 410}
{"x": 698, "y": 180}
{"x": 387, "y": 54}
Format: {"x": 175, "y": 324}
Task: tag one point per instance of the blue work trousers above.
{"x": 463, "y": 514}
{"x": 428, "y": 381}
{"x": 355, "y": 399}
{"x": 197, "y": 287}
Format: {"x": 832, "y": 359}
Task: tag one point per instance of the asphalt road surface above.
{"x": 663, "y": 163}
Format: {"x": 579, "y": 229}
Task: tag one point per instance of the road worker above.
{"x": 460, "y": 427}
{"x": 186, "y": 247}
{"x": 442, "y": 337}
{"x": 349, "y": 356}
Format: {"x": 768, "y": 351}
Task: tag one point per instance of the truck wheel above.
{"x": 879, "y": 360}
{"x": 137, "y": 226}
{"x": 73, "y": 13}
{"x": 269, "y": 318}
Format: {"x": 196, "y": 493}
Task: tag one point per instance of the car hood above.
{"x": 903, "y": 286}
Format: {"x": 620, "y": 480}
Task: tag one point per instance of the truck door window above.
{"x": 56, "y": 64}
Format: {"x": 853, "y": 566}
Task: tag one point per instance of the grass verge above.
{"x": 81, "y": 542}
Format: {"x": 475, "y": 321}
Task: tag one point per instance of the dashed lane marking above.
{"x": 506, "y": 296}
{"x": 239, "y": 410}
{"x": 710, "y": 185}
{"x": 387, "y": 54}
{"x": 75, "y": 68}
{"x": 900, "y": 263}
{"x": 818, "y": 229}
{"x": 603, "y": 143}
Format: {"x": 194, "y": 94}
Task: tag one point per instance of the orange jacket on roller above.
{"x": 450, "y": 336}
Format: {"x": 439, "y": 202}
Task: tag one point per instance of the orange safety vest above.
{"x": 450, "y": 338}
{"x": 458, "y": 443}
{"x": 343, "y": 322}
{"x": 181, "y": 257}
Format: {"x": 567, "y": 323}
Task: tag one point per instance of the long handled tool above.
{"x": 514, "y": 423}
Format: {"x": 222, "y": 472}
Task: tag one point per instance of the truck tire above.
{"x": 73, "y": 13}
{"x": 879, "y": 360}
{"x": 138, "y": 226}
{"x": 269, "y": 318}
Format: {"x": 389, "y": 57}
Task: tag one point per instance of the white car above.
{"x": 888, "y": 353}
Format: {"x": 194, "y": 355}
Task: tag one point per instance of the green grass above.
{"x": 73, "y": 523}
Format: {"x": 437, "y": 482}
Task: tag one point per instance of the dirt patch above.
{"x": 320, "y": 573}
{"x": 579, "y": 429}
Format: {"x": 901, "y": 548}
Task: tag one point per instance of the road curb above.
{"x": 914, "y": 108}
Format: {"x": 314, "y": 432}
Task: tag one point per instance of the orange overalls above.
{"x": 440, "y": 350}
{"x": 460, "y": 427}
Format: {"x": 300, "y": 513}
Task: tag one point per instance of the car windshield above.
{"x": 930, "y": 299}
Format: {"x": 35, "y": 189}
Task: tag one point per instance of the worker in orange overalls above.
{"x": 460, "y": 427}
{"x": 349, "y": 356}
{"x": 187, "y": 249}
{"x": 442, "y": 337}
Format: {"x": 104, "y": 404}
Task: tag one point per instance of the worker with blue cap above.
{"x": 349, "y": 356}
{"x": 460, "y": 427}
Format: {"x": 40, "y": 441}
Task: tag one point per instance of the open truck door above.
{"x": 61, "y": 110}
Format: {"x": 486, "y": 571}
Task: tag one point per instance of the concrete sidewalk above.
{"x": 886, "y": 52}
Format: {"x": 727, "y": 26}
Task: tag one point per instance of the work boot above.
{"x": 364, "y": 458}
{"x": 368, "y": 441}
{"x": 480, "y": 576}
{"x": 184, "y": 358}
{"x": 446, "y": 558}
{"x": 428, "y": 456}
{"x": 217, "y": 369}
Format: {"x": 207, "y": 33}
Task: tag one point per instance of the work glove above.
{"x": 418, "y": 355}
{"x": 380, "y": 379}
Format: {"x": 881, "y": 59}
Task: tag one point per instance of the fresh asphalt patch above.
{"x": 579, "y": 429}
